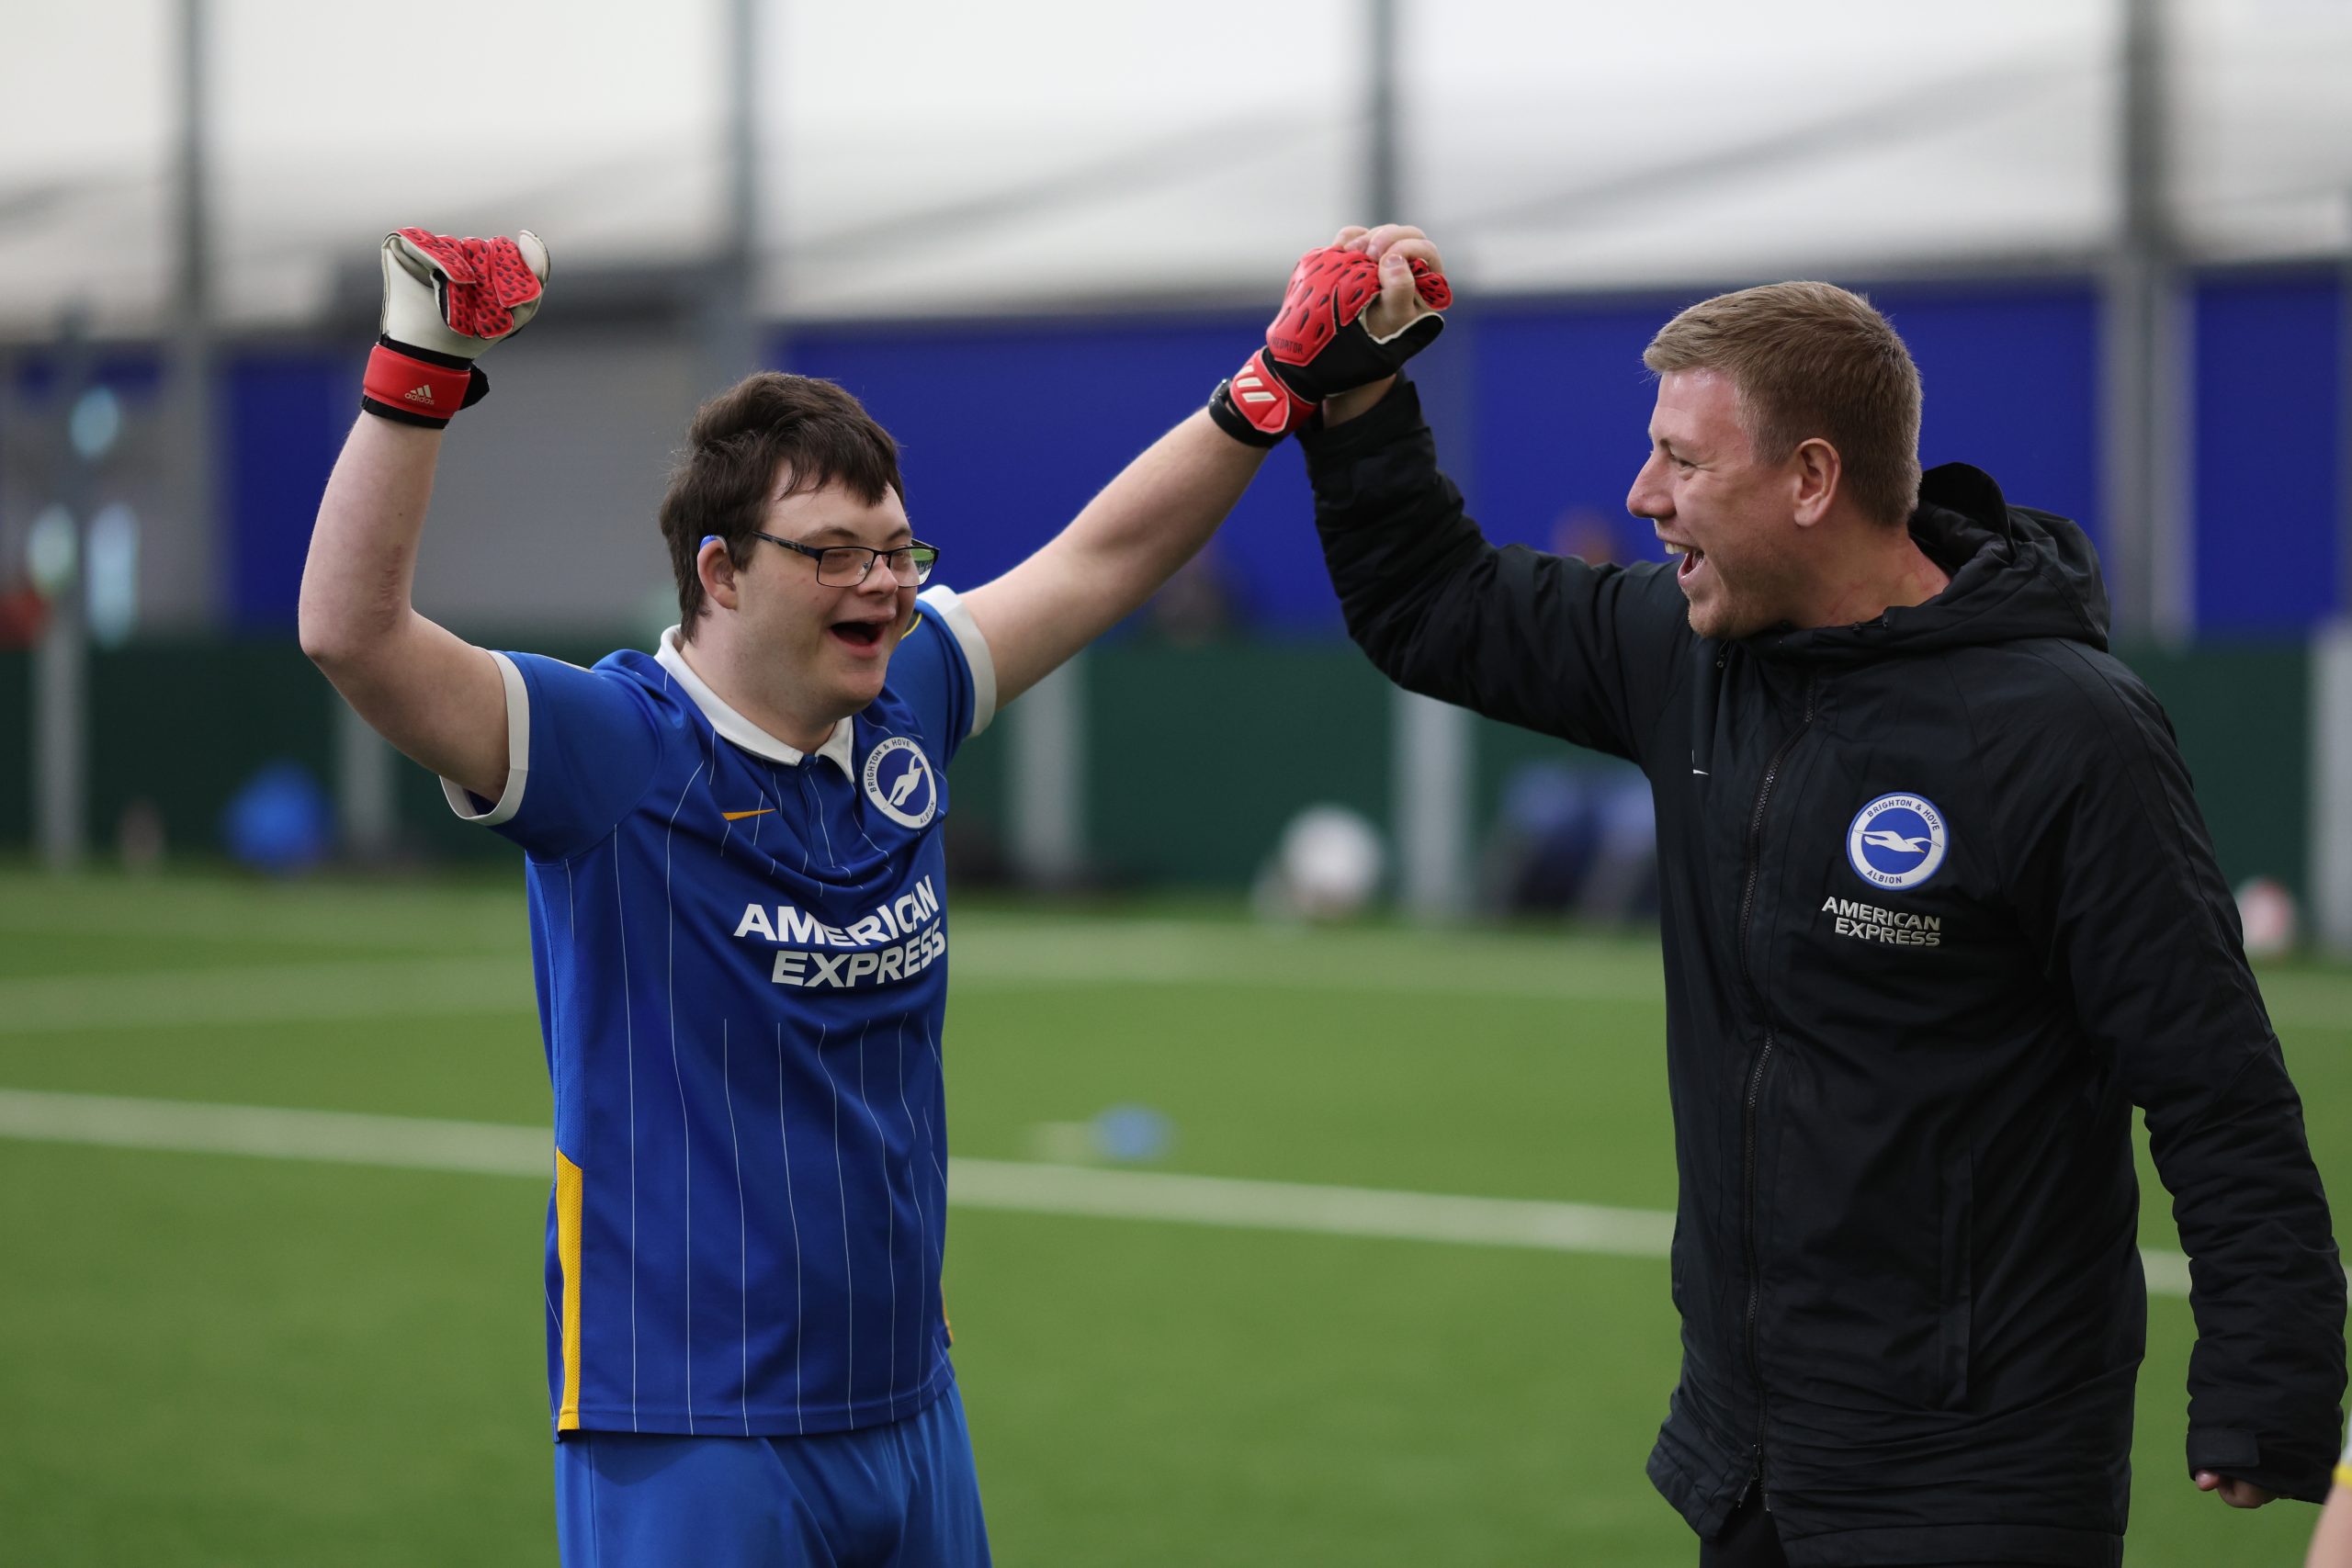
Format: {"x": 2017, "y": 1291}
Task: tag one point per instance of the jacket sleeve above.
{"x": 1588, "y": 653}
{"x": 2118, "y": 889}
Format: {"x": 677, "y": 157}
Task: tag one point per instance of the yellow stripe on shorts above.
{"x": 567, "y": 1254}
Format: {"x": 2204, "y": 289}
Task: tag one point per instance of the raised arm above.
{"x": 1342, "y": 324}
{"x": 431, "y": 694}
{"x": 1544, "y": 641}
{"x": 1589, "y": 653}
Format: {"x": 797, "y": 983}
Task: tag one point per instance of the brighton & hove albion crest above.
{"x": 1896, "y": 841}
{"x": 901, "y": 784}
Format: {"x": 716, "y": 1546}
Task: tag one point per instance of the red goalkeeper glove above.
{"x": 446, "y": 301}
{"x": 1319, "y": 343}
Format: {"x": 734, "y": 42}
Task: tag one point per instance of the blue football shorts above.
{"x": 902, "y": 1495}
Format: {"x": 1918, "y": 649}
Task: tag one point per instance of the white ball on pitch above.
{"x": 1328, "y": 864}
{"x": 2268, "y": 914}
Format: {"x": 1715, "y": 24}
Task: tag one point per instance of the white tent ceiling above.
{"x": 927, "y": 157}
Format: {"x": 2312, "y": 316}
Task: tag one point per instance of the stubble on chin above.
{"x": 1728, "y": 617}
{"x": 1712, "y": 619}
{"x": 1724, "y": 624}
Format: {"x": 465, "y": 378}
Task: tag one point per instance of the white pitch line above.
{"x": 498, "y": 1149}
{"x": 286, "y": 993}
{"x": 1297, "y": 1206}
{"x": 479, "y": 1148}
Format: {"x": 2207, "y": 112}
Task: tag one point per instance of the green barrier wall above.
{"x": 178, "y": 725}
{"x": 1198, "y": 756}
{"x": 2243, "y": 716}
{"x": 15, "y": 736}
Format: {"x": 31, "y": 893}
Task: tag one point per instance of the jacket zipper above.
{"x": 1763, "y": 1059}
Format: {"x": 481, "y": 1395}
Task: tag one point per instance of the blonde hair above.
{"x": 1811, "y": 360}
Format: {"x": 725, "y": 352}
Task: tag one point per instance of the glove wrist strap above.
{"x": 1256, "y": 406}
{"x": 416, "y": 386}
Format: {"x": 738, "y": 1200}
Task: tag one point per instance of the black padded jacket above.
{"x": 1905, "y": 1252}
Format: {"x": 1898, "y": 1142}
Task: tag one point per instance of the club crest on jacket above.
{"x": 1896, "y": 841}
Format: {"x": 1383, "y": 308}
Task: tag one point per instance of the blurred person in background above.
{"x": 1938, "y": 912}
{"x": 1582, "y": 532}
{"x": 1575, "y": 838}
{"x": 732, "y": 855}
{"x": 1203, "y": 603}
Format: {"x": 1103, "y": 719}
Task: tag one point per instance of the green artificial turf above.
{"x": 215, "y": 1360}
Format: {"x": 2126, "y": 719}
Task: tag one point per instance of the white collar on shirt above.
{"x": 741, "y": 730}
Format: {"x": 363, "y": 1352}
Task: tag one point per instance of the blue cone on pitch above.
{"x": 1129, "y": 1134}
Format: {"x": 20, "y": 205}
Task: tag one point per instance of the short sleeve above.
{"x": 942, "y": 669}
{"x": 582, "y": 746}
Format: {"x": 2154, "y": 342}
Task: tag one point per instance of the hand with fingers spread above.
{"x": 446, "y": 301}
{"x": 1355, "y": 311}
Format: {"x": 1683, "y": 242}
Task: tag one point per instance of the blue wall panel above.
{"x": 1562, "y": 403}
{"x": 135, "y": 372}
{"x": 1009, "y": 428}
{"x": 2268, "y": 420}
{"x": 2011, "y": 380}
{"x": 1541, "y": 406}
{"x": 285, "y": 418}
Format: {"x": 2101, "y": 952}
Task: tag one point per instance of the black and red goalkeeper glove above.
{"x": 446, "y": 301}
{"x": 1318, "y": 343}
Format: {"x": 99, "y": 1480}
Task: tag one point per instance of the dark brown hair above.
{"x": 742, "y": 442}
{"x": 1811, "y": 359}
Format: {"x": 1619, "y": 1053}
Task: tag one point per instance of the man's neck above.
{"x": 1892, "y": 575}
{"x": 714, "y": 661}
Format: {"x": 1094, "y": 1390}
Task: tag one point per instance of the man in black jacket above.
{"x": 1938, "y": 910}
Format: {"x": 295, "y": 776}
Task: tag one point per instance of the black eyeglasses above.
{"x": 846, "y": 566}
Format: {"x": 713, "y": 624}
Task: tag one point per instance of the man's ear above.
{"x": 1814, "y": 470}
{"x": 716, "y": 566}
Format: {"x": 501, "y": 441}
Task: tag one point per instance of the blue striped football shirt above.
{"x": 741, "y": 952}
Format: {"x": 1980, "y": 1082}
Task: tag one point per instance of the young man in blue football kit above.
{"x": 738, "y": 912}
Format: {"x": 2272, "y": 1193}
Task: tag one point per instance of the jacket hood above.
{"x": 2015, "y": 573}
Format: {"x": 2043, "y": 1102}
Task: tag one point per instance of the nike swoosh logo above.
{"x": 738, "y": 815}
